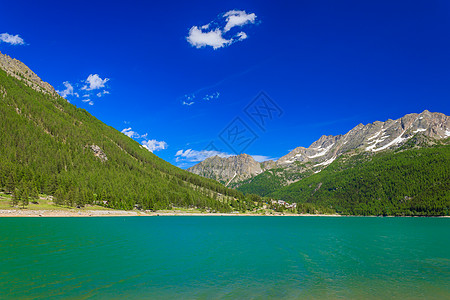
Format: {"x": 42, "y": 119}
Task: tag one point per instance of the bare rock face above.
{"x": 371, "y": 138}
{"x": 374, "y": 137}
{"x": 269, "y": 164}
{"x": 98, "y": 153}
{"x": 19, "y": 70}
{"x": 230, "y": 169}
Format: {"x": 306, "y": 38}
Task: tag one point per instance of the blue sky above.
{"x": 178, "y": 76}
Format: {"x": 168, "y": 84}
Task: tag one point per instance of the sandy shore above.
{"x": 66, "y": 213}
{"x": 124, "y": 213}
{"x": 134, "y": 213}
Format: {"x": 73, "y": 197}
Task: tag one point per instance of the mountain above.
{"x": 408, "y": 181}
{"x": 55, "y": 148}
{"x": 234, "y": 168}
{"x": 373, "y": 138}
{"x": 410, "y": 157}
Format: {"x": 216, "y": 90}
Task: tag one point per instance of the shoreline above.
{"x": 24, "y": 213}
{"x": 123, "y": 213}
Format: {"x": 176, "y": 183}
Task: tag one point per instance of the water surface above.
{"x": 224, "y": 257}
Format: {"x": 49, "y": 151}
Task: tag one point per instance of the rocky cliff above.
{"x": 19, "y": 70}
{"x": 230, "y": 169}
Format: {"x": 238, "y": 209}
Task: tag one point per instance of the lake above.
{"x": 224, "y": 257}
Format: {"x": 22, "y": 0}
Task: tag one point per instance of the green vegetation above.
{"x": 44, "y": 202}
{"x": 409, "y": 182}
{"x": 46, "y": 148}
{"x": 271, "y": 181}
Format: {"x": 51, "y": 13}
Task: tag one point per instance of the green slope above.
{"x": 402, "y": 182}
{"x": 272, "y": 180}
{"x": 45, "y": 145}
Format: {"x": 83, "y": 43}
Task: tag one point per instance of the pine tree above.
{"x": 16, "y": 197}
{"x": 34, "y": 195}
{"x": 59, "y": 197}
{"x": 25, "y": 198}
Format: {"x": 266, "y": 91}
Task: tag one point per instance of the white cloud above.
{"x": 11, "y": 39}
{"x": 150, "y": 145}
{"x": 154, "y": 145}
{"x": 211, "y": 96}
{"x": 100, "y": 94}
{"x": 199, "y": 38}
{"x": 242, "y": 36}
{"x": 196, "y": 156}
{"x": 94, "y": 82}
{"x": 68, "y": 91}
{"x": 238, "y": 18}
{"x": 130, "y": 133}
{"x": 262, "y": 158}
{"x": 206, "y": 97}
{"x": 88, "y": 101}
{"x": 133, "y": 134}
{"x": 218, "y": 37}
{"x": 189, "y": 97}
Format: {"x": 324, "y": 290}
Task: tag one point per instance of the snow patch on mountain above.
{"x": 327, "y": 162}
{"x": 419, "y": 130}
{"x": 375, "y": 135}
{"x": 377, "y": 141}
{"x": 323, "y": 152}
{"x": 396, "y": 141}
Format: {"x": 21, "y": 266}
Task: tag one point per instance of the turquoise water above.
{"x": 224, "y": 257}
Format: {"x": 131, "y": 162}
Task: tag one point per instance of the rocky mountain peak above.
{"x": 232, "y": 168}
{"x": 19, "y": 70}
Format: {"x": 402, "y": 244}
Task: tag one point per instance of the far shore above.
{"x": 132, "y": 213}
{"x": 136, "y": 213}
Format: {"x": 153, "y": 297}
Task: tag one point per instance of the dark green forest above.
{"x": 406, "y": 182}
{"x": 271, "y": 180}
{"x": 46, "y": 148}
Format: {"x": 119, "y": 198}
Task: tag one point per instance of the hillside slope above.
{"x": 52, "y": 146}
{"x": 409, "y": 181}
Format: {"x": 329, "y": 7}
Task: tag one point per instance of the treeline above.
{"x": 45, "y": 144}
{"x": 414, "y": 182}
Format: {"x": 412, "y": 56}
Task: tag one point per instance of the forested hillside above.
{"x": 408, "y": 181}
{"x": 50, "y": 146}
{"x": 274, "y": 179}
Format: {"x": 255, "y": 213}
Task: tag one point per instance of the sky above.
{"x": 192, "y": 79}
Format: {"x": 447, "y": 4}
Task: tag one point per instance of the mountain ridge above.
{"x": 372, "y": 137}
{"x": 20, "y": 71}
